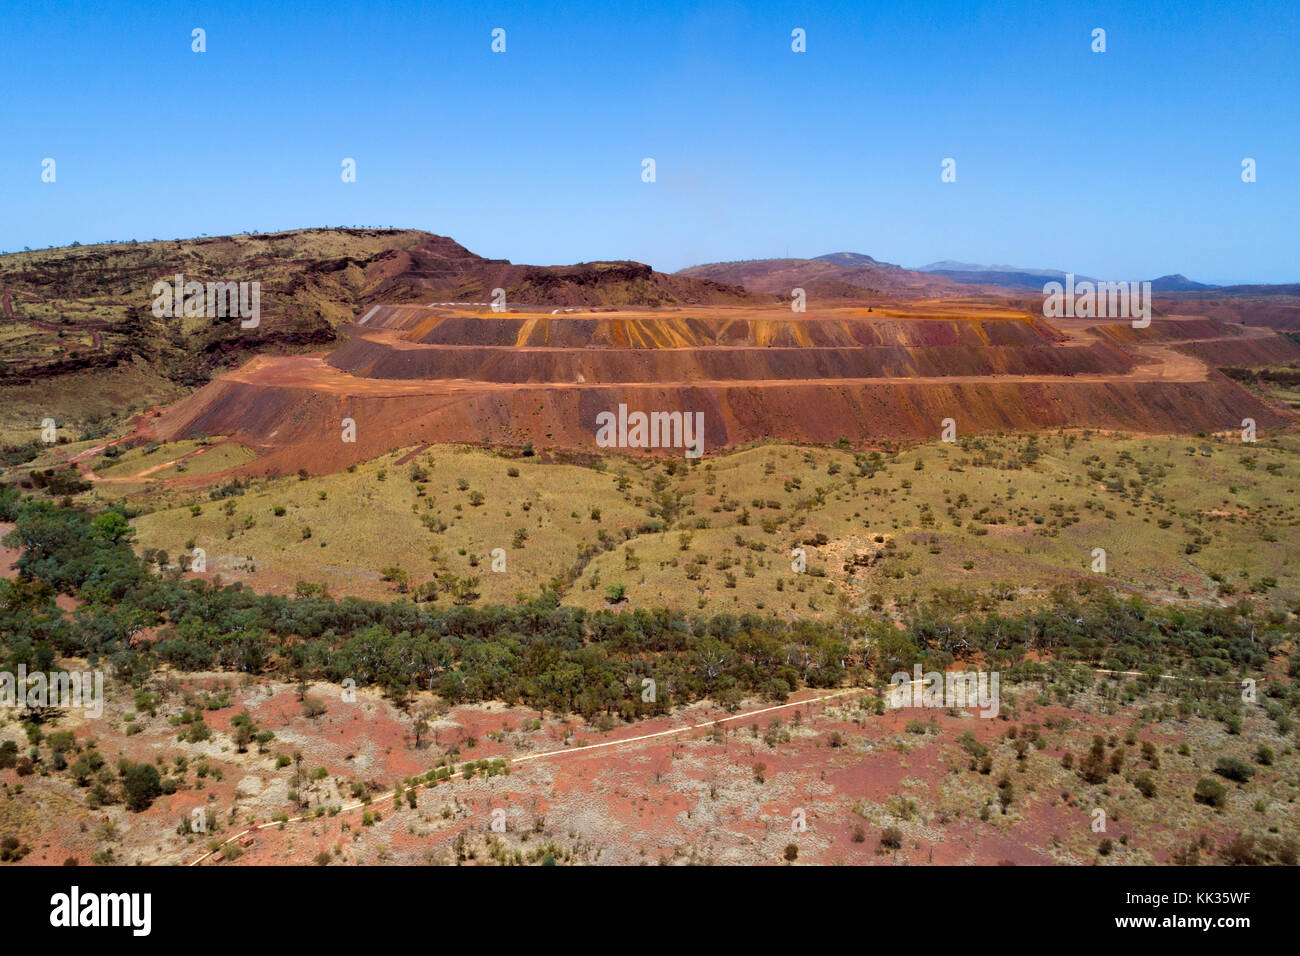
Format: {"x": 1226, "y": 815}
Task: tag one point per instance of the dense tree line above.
{"x": 545, "y": 654}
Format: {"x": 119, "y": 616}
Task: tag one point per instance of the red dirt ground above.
{"x": 687, "y": 796}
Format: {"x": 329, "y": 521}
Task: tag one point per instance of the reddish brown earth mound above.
{"x": 372, "y": 358}
{"x": 412, "y": 375}
{"x": 1276, "y": 307}
{"x": 1262, "y": 350}
{"x": 843, "y": 275}
{"x": 439, "y": 268}
{"x": 1214, "y": 342}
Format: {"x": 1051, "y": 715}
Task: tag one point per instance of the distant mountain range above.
{"x": 848, "y": 275}
{"x": 952, "y": 265}
{"x": 838, "y": 275}
{"x": 1014, "y": 277}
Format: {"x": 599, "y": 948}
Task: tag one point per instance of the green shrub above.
{"x": 1211, "y": 792}
{"x": 1234, "y": 769}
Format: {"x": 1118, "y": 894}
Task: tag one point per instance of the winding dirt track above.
{"x": 620, "y": 742}
{"x": 141, "y": 475}
{"x": 541, "y": 756}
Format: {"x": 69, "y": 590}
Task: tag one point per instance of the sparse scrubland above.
{"x": 971, "y": 555}
{"x": 995, "y": 520}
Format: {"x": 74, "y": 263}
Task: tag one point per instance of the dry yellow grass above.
{"x": 1207, "y": 518}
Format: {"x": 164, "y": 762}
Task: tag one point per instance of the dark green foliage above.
{"x": 554, "y": 657}
{"x": 141, "y": 783}
{"x": 1211, "y": 792}
{"x": 11, "y": 850}
{"x": 1146, "y": 784}
{"x": 1234, "y": 769}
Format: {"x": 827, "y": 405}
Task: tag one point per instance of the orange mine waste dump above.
{"x": 407, "y": 375}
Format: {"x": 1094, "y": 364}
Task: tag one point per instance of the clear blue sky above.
{"x": 1125, "y": 164}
